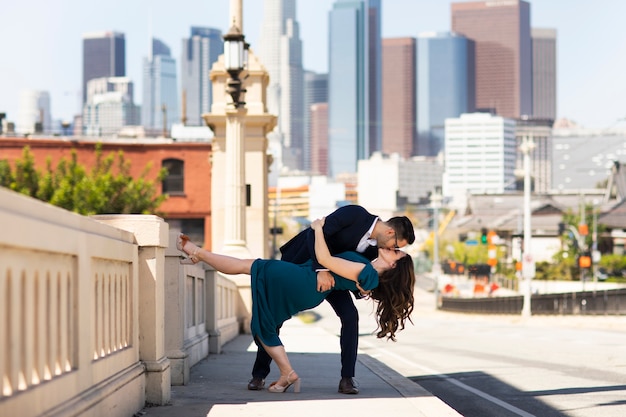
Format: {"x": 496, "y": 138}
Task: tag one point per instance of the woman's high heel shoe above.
{"x": 181, "y": 240}
{"x": 274, "y": 387}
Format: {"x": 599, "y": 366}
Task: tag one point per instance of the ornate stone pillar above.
{"x": 239, "y": 169}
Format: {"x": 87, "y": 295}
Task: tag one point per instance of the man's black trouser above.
{"x": 342, "y": 303}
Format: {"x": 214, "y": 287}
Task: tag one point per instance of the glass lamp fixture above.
{"x": 235, "y": 60}
{"x": 234, "y": 50}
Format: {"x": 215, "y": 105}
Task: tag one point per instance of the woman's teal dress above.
{"x": 281, "y": 289}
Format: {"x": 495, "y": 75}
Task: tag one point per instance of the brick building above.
{"x": 188, "y": 207}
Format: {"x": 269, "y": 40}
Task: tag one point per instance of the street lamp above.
{"x": 595, "y": 253}
{"x": 528, "y": 263}
{"x": 235, "y": 57}
{"x": 235, "y": 196}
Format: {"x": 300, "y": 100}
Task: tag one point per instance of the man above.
{"x": 349, "y": 228}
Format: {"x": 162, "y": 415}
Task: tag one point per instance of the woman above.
{"x": 281, "y": 289}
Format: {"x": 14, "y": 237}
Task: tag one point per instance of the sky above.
{"x": 41, "y": 46}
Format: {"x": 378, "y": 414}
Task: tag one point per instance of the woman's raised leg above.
{"x": 225, "y": 264}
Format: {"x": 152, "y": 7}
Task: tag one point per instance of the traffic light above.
{"x": 584, "y": 261}
{"x": 561, "y": 228}
{"x": 483, "y": 236}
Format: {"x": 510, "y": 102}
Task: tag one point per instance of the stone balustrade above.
{"x": 97, "y": 316}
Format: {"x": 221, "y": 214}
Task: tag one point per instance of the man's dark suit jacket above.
{"x": 343, "y": 229}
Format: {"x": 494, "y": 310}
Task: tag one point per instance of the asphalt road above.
{"x": 505, "y": 366}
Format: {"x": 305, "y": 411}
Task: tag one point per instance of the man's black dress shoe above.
{"x": 256, "y": 384}
{"x": 346, "y": 386}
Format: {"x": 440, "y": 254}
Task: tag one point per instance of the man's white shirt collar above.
{"x": 366, "y": 239}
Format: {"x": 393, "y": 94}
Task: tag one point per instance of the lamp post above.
{"x": 528, "y": 263}
{"x": 435, "y": 202}
{"x": 595, "y": 253}
{"x": 235, "y": 52}
{"x": 235, "y": 192}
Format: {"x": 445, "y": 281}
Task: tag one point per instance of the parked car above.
{"x": 602, "y": 274}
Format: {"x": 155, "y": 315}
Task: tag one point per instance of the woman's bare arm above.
{"x": 342, "y": 267}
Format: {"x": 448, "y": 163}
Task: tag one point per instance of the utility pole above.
{"x": 595, "y": 254}
{"x": 528, "y": 263}
{"x": 583, "y": 231}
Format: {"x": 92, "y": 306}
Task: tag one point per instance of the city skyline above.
{"x": 590, "y": 57}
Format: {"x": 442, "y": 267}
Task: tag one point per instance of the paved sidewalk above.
{"x": 217, "y": 385}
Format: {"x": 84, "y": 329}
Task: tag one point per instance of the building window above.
{"x": 194, "y": 228}
{"x": 174, "y": 181}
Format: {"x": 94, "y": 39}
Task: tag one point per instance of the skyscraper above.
{"x": 280, "y": 50}
{"x": 315, "y": 92}
{"x": 199, "y": 52}
{"x": 354, "y": 83}
{"x": 445, "y": 86}
{"x": 544, "y": 73}
{"x": 480, "y": 156}
{"x": 501, "y": 30}
{"x": 104, "y": 55}
{"x": 159, "y": 88}
{"x": 398, "y": 98}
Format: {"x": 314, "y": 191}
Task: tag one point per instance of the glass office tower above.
{"x": 445, "y": 86}
{"x": 160, "y": 92}
{"x": 354, "y": 83}
{"x": 280, "y": 50}
{"x": 199, "y": 52}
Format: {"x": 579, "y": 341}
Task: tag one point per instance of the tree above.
{"x": 107, "y": 189}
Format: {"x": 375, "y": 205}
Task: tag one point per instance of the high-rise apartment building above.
{"x": 160, "y": 92}
{"x": 544, "y": 73}
{"x": 445, "y": 86}
{"x": 315, "y": 92}
{"x": 354, "y": 83}
{"x": 199, "y": 52}
{"x": 280, "y": 50}
{"x": 480, "y": 156}
{"x": 398, "y": 100}
{"x": 501, "y": 30}
{"x": 104, "y": 55}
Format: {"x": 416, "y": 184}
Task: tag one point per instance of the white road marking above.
{"x": 453, "y": 381}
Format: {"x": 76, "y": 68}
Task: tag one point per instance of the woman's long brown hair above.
{"x": 395, "y": 298}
